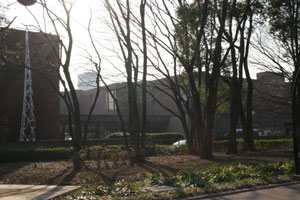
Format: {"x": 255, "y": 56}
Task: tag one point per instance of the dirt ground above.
{"x": 99, "y": 172}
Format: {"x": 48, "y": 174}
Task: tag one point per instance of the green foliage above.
{"x": 193, "y": 179}
{"x": 159, "y": 179}
{"x": 120, "y": 188}
{"x": 283, "y": 23}
{"x": 221, "y": 175}
{"x": 193, "y": 183}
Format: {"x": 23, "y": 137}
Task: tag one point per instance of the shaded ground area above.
{"x": 103, "y": 171}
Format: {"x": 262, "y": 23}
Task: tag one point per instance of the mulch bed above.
{"x": 103, "y": 171}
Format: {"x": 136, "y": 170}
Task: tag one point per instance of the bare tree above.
{"x": 186, "y": 43}
{"x": 121, "y": 19}
{"x": 240, "y": 19}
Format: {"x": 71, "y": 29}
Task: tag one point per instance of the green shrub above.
{"x": 215, "y": 179}
{"x": 194, "y": 179}
{"x": 279, "y": 144}
{"x": 221, "y": 175}
{"x": 159, "y": 179}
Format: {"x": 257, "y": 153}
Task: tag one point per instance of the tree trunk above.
{"x": 248, "y": 139}
{"x": 296, "y": 119}
{"x": 234, "y": 116}
{"x": 213, "y": 87}
{"x": 144, "y": 86}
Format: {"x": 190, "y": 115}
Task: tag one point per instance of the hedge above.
{"x": 166, "y": 138}
{"x": 279, "y": 144}
{"x": 39, "y": 154}
{"x": 100, "y": 152}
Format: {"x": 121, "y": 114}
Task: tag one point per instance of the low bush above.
{"x": 222, "y": 175}
{"x": 214, "y": 179}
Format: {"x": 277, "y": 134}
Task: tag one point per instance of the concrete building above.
{"x": 44, "y": 52}
{"x": 271, "y": 109}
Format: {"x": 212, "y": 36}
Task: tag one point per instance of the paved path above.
{"x": 25, "y": 192}
{"x": 284, "y": 192}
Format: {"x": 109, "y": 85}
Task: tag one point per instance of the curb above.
{"x": 206, "y": 196}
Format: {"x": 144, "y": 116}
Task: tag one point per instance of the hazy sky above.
{"x": 81, "y": 13}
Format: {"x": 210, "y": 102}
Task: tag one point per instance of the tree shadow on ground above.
{"x": 63, "y": 173}
{"x": 108, "y": 178}
{"x": 154, "y": 168}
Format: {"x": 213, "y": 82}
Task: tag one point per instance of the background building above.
{"x": 271, "y": 109}
{"x": 44, "y": 52}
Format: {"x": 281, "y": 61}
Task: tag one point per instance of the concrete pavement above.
{"x": 290, "y": 191}
{"x": 40, "y": 192}
{"x": 37, "y": 192}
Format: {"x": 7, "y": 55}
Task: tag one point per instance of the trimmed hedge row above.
{"x": 280, "y": 144}
{"x": 38, "y": 154}
{"x": 165, "y": 138}
{"x": 51, "y": 154}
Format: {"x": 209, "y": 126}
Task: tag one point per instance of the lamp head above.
{"x": 27, "y": 2}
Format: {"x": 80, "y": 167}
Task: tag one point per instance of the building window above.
{"x": 110, "y": 103}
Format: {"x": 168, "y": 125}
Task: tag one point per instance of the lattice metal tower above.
{"x": 28, "y": 119}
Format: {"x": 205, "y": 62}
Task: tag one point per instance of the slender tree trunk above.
{"x": 91, "y": 110}
{"x": 234, "y": 116}
{"x": 144, "y": 86}
{"x": 248, "y": 139}
{"x": 76, "y": 114}
{"x": 213, "y": 87}
{"x": 296, "y": 119}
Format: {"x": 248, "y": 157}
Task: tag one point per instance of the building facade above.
{"x": 271, "y": 109}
